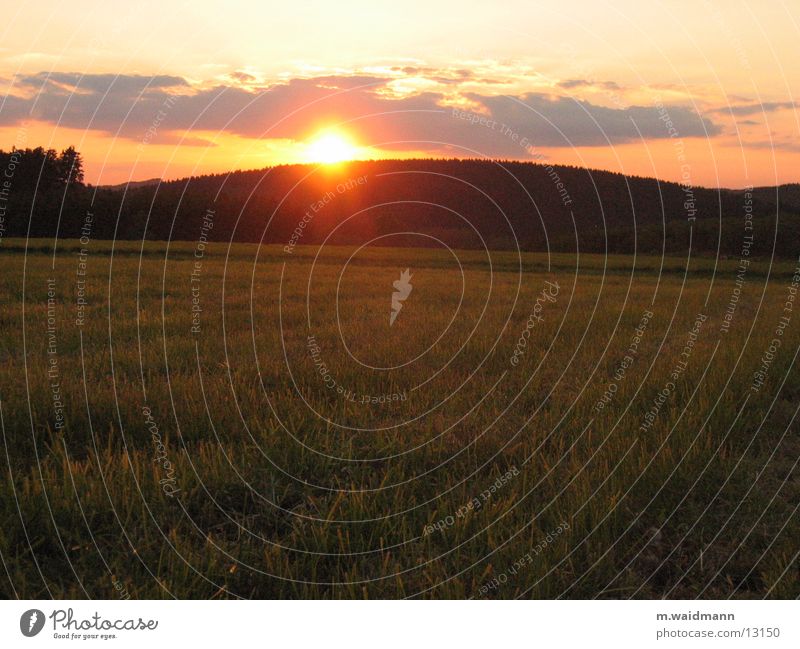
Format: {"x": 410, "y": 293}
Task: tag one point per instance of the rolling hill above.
{"x": 459, "y": 203}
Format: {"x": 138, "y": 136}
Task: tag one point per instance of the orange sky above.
{"x": 687, "y": 91}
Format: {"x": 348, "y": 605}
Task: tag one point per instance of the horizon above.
{"x": 358, "y": 161}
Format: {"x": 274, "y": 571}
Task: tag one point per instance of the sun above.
{"x": 330, "y": 147}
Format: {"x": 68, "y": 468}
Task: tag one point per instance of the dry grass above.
{"x": 289, "y": 489}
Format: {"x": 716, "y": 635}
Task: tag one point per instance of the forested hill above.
{"x": 461, "y": 203}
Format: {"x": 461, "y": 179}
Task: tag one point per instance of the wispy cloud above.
{"x": 756, "y": 108}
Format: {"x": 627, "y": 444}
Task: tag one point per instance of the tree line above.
{"x": 463, "y": 203}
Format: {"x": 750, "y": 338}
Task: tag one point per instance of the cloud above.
{"x": 13, "y": 110}
{"x": 778, "y": 144}
{"x": 132, "y": 105}
{"x": 583, "y": 83}
{"x": 128, "y": 85}
{"x": 243, "y": 77}
{"x": 562, "y": 121}
{"x": 756, "y": 108}
{"x": 447, "y": 75}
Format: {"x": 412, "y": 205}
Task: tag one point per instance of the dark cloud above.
{"x": 563, "y": 121}
{"x": 13, "y": 109}
{"x": 127, "y": 84}
{"x": 132, "y": 104}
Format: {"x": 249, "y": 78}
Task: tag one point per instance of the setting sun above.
{"x": 330, "y": 148}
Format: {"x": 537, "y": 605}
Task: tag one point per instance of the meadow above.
{"x": 238, "y": 421}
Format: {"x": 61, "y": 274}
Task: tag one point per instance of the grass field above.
{"x": 529, "y": 426}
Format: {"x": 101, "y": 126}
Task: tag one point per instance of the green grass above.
{"x": 288, "y": 489}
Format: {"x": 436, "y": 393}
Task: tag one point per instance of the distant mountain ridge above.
{"x": 131, "y": 184}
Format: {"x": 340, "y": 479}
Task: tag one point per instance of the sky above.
{"x": 704, "y": 93}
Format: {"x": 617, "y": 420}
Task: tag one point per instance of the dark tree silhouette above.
{"x": 70, "y": 166}
{"x": 466, "y": 203}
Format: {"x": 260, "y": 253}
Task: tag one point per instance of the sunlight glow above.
{"x": 330, "y": 147}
